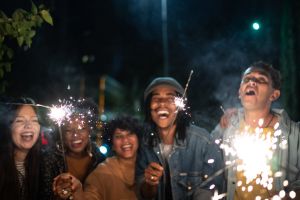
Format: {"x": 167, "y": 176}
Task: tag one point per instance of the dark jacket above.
{"x": 53, "y": 164}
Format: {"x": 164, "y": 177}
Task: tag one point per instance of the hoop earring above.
{"x": 59, "y": 147}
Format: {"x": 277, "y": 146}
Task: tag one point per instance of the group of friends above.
{"x": 165, "y": 157}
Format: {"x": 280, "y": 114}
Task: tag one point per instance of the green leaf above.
{"x": 7, "y": 66}
{"x": 34, "y": 9}
{"x": 2, "y": 15}
{"x": 10, "y": 53}
{"x": 19, "y": 14}
{"x": 46, "y": 16}
{"x": 31, "y": 33}
{"x": 20, "y": 40}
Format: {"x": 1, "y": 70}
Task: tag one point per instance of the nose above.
{"x": 252, "y": 82}
{"x": 28, "y": 124}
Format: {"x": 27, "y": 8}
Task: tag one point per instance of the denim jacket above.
{"x": 287, "y": 160}
{"x": 188, "y": 166}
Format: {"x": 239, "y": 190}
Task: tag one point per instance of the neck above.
{"x": 20, "y": 155}
{"x": 252, "y": 117}
{"x": 167, "y": 134}
{"x": 127, "y": 161}
{"x": 76, "y": 155}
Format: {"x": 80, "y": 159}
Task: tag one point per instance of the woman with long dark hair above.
{"x": 19, "y": 150}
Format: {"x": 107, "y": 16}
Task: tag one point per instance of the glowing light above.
{"x": 212, "y": 186}
{"x": 256, "y": 26}
{"x": 60, "y": 113}
{"x": 282, "y": 193}
{"x": 285, "y": 183}
{"x": 217, "y": 196}
{"x": 180, "y": 103}
{"x": 210, "y": 161}
{"x": 252, "y": 153}
{"x": 292, "y": 194}
{"x": 103, "y": 149}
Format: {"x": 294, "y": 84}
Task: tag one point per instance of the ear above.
{"x": 275, "y": 95}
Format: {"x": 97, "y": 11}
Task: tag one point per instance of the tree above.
{"x": 20, "y": 27}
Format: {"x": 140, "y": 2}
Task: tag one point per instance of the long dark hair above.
{"x": 9, "y": 183}
{"x": 182, "y": 121}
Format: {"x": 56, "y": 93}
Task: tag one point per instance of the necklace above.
{"x": 269, "y": 121}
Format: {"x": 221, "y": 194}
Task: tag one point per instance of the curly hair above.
{"x": 123, "y": 122}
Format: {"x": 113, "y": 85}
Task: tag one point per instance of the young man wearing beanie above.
{"x": 259, "y": 87}
{"x": 176, "y": 160}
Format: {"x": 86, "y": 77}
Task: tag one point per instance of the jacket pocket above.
{"x": 189, "y": 181}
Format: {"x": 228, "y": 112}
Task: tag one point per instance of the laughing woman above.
{"x": 19, "y": 150}
{"x": 82, "y": 156}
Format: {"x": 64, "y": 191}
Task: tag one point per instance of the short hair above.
{"x": 123, "y": 122}
{"x": 268, "y": 70}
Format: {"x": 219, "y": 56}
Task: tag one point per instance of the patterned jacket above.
{"x": 53, "y": 164}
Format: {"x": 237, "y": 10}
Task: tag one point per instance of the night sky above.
{"x": 122, "y": 40}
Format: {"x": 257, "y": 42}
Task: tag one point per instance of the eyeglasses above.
{"x": 259, "y": 80}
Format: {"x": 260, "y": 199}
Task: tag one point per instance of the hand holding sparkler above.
{"x": 153, "y": 173}
{"x": 65, "y": 185}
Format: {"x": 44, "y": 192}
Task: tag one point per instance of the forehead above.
{"x": 256, "y": 71}
{"x": 26, "y": 110}
{"x": 119, "y": 131}
{"x": 164, "y": 89}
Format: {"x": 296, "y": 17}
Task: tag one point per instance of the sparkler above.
{"x": 58, "y": 114}
{"x": 253, "y": 153}
{"x": 180, "y": 101}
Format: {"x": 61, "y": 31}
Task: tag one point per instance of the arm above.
{"x": 146, "y": 187}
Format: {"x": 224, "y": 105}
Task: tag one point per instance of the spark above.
{"x": 217, "y": 196}
{"x": 180, "y": 103}
{"x": 253, "y": 153}
{"x": 60, "y": 113}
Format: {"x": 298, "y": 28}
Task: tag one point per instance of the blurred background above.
{"x": 110, "y": 50}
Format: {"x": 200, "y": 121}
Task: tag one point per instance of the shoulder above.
{"x": 196, "y": 134}
{"x": 286, "y": 124}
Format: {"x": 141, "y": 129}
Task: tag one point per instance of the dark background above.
{"x": 121, "y": 40}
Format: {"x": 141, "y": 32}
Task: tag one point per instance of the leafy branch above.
{"x": 21, "y": 27}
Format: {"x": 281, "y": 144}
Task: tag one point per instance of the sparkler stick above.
{"x": 180, "y": 101}
{"x": 58, "y": 114}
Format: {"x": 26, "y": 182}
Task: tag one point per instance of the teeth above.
{"x": 77, "y": 141}
{"x": 163, "y": 112}
{"x": 126, "y": 146}
{"x": 27, "y": 134}
{"x": 250, "y": 92}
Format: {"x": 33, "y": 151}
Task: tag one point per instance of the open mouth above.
{"x": 77, "y": 141}
{"x": 126, "y": 147}
{"x": 27, "y": 136}
{"x": 250, "y": 92}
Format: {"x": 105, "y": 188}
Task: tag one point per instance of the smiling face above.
{"x": 125, "y": 144}
{"x": 162, "y": 106}
{"x": 256, "y": 91}
{"x": 76, "y": 137}
{"x": 25, "y": 129}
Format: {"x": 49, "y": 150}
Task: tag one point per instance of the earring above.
{"x": 89, "y": 147}
{"x": 59, "y": 147}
